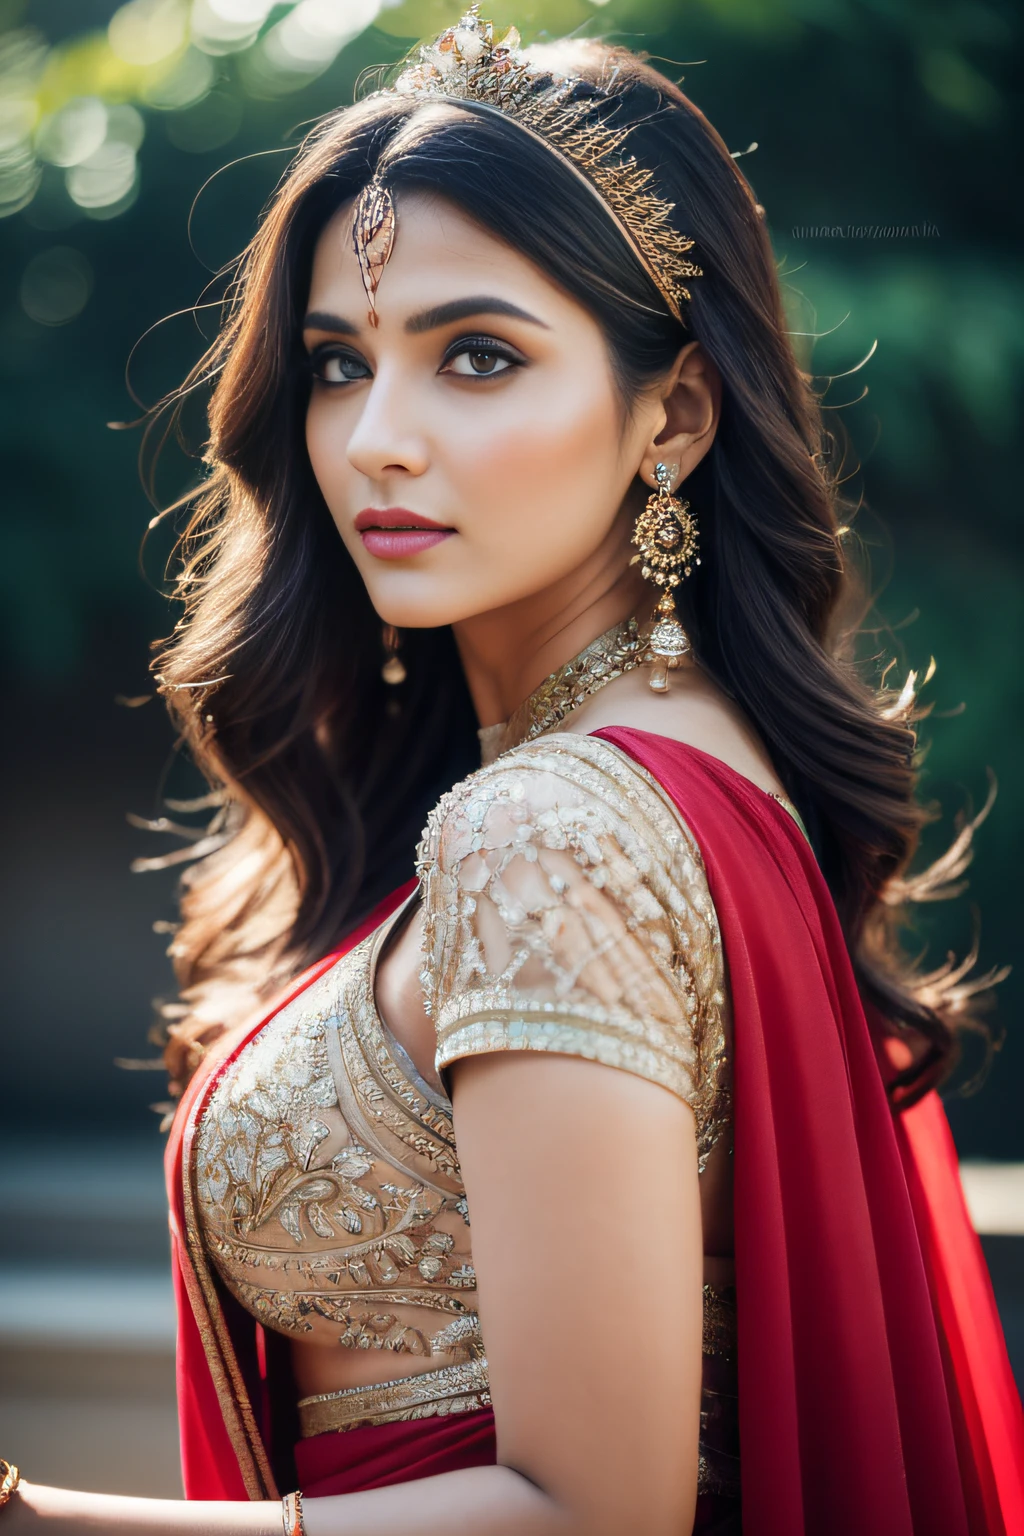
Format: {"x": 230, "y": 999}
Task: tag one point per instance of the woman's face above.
{"x": 472, "y": 448}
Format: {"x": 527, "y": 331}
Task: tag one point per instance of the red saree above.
{"x": 875, "y": 1391}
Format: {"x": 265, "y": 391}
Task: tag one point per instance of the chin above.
{"x": 417, "y": 600}
{"x": 420, "y": 610}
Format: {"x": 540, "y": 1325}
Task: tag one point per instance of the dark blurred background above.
{"x": 885, "y": 137}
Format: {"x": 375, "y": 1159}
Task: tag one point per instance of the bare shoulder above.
{"x": 694, "y": 711}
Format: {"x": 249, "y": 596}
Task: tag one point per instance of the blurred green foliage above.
{"x": 884, "y": 133}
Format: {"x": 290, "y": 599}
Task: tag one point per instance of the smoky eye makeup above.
{"x": 484, "y": 357}
{"x": 332, "y": 364}
{"x": 476, "y": 356}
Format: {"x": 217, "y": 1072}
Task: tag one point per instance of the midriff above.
{"x": 323, "y": 1368}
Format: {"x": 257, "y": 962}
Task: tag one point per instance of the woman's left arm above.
{"x": 582, "y": 1182}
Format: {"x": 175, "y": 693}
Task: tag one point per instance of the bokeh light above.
{"x": 56, "y": 285}
{"x": 187, "y": 81}
{"x": 226, "y": 26}
{"x": 105, "y": 179}
{"x": 148, "y": 31}
{"x": 126, "y": 125}
{"x": 313, "y": 34}
{"x": 72, "y": 134}
{"x": 64, "y": 105}
{"x": 22, "y": 59}
{"x": 304, "y": 43}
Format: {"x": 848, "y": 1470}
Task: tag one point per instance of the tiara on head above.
{"x": 469, "y": 64}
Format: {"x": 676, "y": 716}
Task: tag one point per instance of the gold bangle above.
{"x": 9, "y": 1482}
{"x": 291, "y": 1515}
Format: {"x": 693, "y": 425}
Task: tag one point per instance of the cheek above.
{"x": 550, "y": 474}
{"x": 327, "y": 433}
{"x": 326, "y": 438}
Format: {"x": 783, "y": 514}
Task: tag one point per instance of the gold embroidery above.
{"x": 719, "y": 1327}
{"x": 617, "y": 651}
{"x": 331, "y": 1196}
{"x": 235, "y": 1405}
{"x": 566, "y": 909}
{"x": 719, "y": 1458}
{"x": 452, "y": 1389}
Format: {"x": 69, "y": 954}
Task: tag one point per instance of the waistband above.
{"x": 452, "y": 1389}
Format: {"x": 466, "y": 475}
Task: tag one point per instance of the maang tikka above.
{"x": 484, "y": 70}
{"x": 666, "y": 536}
{"x": 373, "y": 238}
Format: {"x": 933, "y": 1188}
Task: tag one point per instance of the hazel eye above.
{"x": 333, "y": 367}
{"x": 479, "y": 361}
{"x": 481, "y": 357}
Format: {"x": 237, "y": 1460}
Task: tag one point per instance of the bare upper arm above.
{"x": 585, "y": 1209}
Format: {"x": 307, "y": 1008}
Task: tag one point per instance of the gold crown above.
{"x": 471, "y": 65}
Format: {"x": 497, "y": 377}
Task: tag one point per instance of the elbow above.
{"x": 595, "y": 1509}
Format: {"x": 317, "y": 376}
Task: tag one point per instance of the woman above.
{"x": 511, "y": 328}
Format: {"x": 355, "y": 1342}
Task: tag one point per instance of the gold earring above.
{"x": 666, "y": 536}
{"x": 393, "y": 671}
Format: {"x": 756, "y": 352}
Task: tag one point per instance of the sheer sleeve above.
{"x": 566, "y": 909}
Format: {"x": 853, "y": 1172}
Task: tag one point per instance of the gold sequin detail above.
{"x": 612, "y": 654}
{"x": 452, "y": 1389}
{"x": 328, "y": 1184}
{"x": 566, "y": 909}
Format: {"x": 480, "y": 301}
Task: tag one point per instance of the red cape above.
{"x": 875, "y": 1391}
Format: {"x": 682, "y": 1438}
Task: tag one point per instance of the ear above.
{"x": 691, "y": 403}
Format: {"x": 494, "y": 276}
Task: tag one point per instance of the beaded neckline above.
{"x": 618, "y": 650}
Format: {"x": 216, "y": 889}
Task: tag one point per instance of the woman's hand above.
{"x": 35, "y": 1507}
{"x": 30, "y": 1509}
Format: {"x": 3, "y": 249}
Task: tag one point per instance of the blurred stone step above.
{"x": 101, "y": 1202}
{"x": 80, "y": 1306}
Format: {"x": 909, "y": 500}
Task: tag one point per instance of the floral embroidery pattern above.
{"x": 565, "y": 909}
{"x": 315, "y": 1231}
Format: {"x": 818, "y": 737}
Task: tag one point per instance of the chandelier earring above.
{"x": 666, "y": 536}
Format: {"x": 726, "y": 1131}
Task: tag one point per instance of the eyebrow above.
{"x": 462, "y": 309}
{"x": 429, "y": 319}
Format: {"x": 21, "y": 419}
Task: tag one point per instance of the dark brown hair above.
{"x": 273, "y": 673}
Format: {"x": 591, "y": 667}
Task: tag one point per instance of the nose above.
{"x": 384, "y": 440}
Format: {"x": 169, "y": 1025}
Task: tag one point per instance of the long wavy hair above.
{"x": 273, "y": 674}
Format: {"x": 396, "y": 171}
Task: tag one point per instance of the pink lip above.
{"x": 399, "y": 544}
{"x": 395, "y": 533}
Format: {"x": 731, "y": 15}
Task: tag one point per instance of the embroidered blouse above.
{"x": 565, "y": 909}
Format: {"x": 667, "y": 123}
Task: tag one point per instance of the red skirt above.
{"x": 352, "y": 1460}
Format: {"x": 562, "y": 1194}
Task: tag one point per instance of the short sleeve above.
{"x": 566, "y": 909}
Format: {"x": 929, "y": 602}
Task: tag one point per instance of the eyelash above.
{"x": 488, "y": 344}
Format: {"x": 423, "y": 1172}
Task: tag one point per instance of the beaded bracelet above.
{"x": 10, "y": 1477}
{"x": 291, "y": 1515}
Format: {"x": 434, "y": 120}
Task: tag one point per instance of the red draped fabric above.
{"x": 875, "y": 1393}
{"x": 377, "y": 1455}
{"x": 874, "y": 1387}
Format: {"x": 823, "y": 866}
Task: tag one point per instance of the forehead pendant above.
{"x": 373, "y": 237}
{"x": 474, "y": 66}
